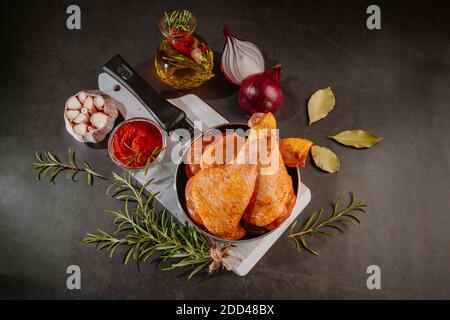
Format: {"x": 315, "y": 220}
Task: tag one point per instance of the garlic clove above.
{"x": 84, "y": 110}
{"x": 88, "y": 103}
{"x": 85, "y": 130}
{"x": 81, "y": 118}
{"x": 82, "y": 96}
{"x": 80, "y": 129}
{"x": 71, "y": 114}
{"x": 99, "y": 102}
{"x": 99, "y": 119}
{"x": 196, "y": 54}
{"x": 91, "y": 109}
{"x": 73, "y": 103}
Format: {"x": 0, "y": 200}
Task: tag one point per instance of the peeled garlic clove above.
{"x": 71, "y": 114}
{"x": 99, "y": 102}
{"x": 92, "y": 109}
{"x": 196, "y": 54}
{"x": 81, "y": 118}
{"x": 73, "y": 103}
{"x": 84, "y": 110}
{"x": 99, "y": 119}
{"x": 80, "y": 129}
{"x": 88, "y": 103}
{"x": 82, "y": 96}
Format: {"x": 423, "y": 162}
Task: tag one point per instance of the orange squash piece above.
{"x": 295, "y": 151}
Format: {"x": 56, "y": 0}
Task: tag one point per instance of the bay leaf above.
{"x": 357, "y": 138}
{"x": 325, "y": 159}
{"x": 320, "y": 104}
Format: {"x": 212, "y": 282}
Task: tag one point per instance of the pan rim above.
{"x": 186, "y": 214}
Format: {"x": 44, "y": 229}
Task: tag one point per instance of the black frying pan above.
{"x": 169, "y": 117}
{"x": 181, "y": 179}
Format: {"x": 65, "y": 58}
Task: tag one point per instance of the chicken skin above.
{"x": 219, "y": 196}
{"x": 273, "y": 189}
{"x": 272, "y": 192}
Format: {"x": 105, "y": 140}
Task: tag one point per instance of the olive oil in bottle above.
{"x": 184, "y": 59}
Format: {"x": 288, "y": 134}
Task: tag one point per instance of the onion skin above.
{"x": 261, "y": 92}
{"x": 240, "y": 58}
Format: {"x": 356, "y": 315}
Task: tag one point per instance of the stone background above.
{"x": 393, "y": 81}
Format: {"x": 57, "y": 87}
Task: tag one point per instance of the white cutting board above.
{"x": 250, "y": 252}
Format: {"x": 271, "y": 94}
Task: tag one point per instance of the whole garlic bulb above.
{"x": 90, "y": 115}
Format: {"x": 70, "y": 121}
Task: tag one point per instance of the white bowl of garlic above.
{"x": 90, "y": 115}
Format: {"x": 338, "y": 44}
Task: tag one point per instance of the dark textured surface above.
{"x": 394, "y": 82}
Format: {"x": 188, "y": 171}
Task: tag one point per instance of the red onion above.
{"x": 240, "y": 58}
{"x": 262, "y": 92}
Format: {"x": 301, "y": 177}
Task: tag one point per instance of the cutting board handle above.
{"x": 167, "y": 115}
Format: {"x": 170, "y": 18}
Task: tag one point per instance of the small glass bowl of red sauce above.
{"x": 136, "y": 142}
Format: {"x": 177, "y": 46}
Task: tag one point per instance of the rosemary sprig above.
{"x": 49, "y": 166}
{"x": 178, "y": 20}
{"x": 314, "y": 226}
{"x": 145, "y": 233}
{"x": 134, "y": 157}
{"x": 153, "y": 157}
{"x": 137, "y": 157}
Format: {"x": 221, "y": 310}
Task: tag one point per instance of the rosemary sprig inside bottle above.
{"x": 314, "y": 225}
{"x": 49, "y": 166}
{"x": 146, "y": 234}
{"x": 178, "y": 21}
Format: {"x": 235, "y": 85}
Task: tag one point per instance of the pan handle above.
{"x": 165, "y": 113}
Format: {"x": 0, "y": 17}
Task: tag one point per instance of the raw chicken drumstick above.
{"x": 218, "y": 196}
{"x": 274, "y": 197}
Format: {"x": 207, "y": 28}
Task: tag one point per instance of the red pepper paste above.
{"x": 135, "y": 142}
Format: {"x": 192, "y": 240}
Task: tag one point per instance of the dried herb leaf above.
{"x": 325, "y": 159}
{"x": 357, "y": 138}
{"x": 320, "y": 103}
